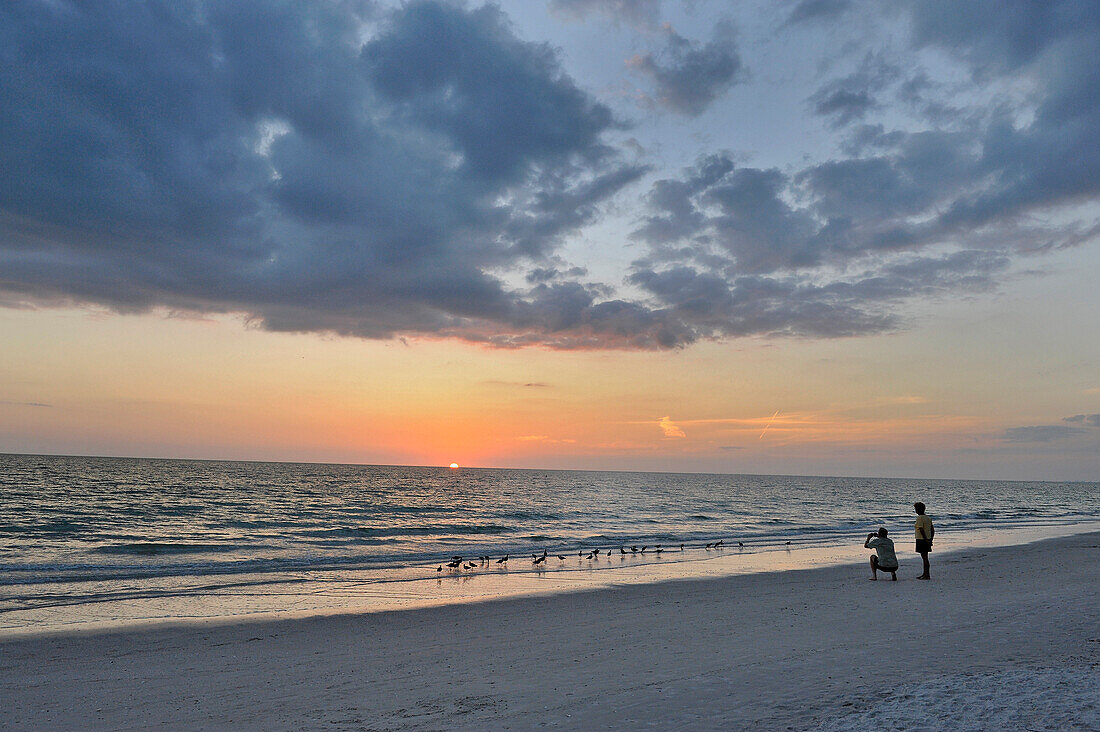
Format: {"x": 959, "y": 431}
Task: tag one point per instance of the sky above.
{"x": 832, "y": 237}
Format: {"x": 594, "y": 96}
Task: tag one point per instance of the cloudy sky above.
{"x": 816, "y": 236}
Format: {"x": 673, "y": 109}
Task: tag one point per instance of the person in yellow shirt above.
{"x": 924, "y": 532}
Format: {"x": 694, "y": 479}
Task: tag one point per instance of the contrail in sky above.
{"x": 769, "y": 424}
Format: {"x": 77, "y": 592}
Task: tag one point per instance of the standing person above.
{"x": 884, "y": 558}
{"x": 924, "y": 532}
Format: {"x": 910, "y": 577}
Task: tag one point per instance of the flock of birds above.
{"x": 458, "y": 563}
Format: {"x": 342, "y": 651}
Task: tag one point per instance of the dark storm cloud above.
{"x": 261, "y": 158}
{"x": 689, "y": 75}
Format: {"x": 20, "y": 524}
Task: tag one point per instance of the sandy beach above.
{"x": 1002, "y": 638}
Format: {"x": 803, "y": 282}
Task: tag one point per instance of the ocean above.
{"x": 111, "y": 538}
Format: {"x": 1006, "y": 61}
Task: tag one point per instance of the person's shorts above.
{"x": 923, "y": 546}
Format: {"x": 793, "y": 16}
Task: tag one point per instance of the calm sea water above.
{"x": 102, "y": 523}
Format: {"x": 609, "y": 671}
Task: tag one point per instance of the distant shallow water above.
{"x": 103, "y": 538}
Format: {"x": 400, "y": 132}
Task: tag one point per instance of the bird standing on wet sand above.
{"x": 503, "y": 559}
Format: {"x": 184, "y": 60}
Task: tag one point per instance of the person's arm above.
{"x": 931, "y": 530}
{"x": 867, "y": 543}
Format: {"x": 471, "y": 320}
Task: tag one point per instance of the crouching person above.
{"x": 884, "y": 559}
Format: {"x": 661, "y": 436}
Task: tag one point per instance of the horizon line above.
{"x": 547, "y": 470}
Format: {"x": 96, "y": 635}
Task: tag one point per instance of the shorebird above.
{"x": 708, "y": 546}
{"x": 538, "y": 559}
{"x": 439, "y": 568}
{"x": 740, "y": 543}
{"x": 681, "y": 547}
{"x": 561, "y": 557}
{"x": 503, "y": 559}
{"x": 453, "y": 564}
{"x": 621, "y": 550}
{"x": 720, "y": 543}
{"x": 788, "y": 543}
{"x": 471, "y": 565}
{"x": 658, "y": 549}
{"x": 634, "y": 549}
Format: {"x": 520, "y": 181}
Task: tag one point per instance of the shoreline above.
{"x": 804, "y": 648}
{"x": 229, "y": 599}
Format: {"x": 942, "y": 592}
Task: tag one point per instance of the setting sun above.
{"x": 454, "y": 465}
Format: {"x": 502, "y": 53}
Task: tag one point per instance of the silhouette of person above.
{"x": 924, "y": 532}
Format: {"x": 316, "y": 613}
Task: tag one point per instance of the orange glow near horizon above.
{"x": 144, "y": 389}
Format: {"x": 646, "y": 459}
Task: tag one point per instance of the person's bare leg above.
{"x": 893, "y": 576}
{"x": 924, "y": 560}
{"x": 874, "y": 569}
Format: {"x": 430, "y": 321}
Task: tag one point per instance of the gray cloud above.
{"x": 689, "y": 75}
{"x": 997, "y": 36}
{"x": 260, "y": 157}
{"x": 814, "y": 10}
{"x": 907, "y": 214}
{"x": 743, "y": 218}
{"x": 1074, "y": 426}
{"x": 849, "y": 98}
{"x": 636, "y": 12}
{"x": 337, "y": 167}
{"x": 1090, "y": 420}
{"x": 1040, "y": 433}
{"x": 717, "y": 304}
